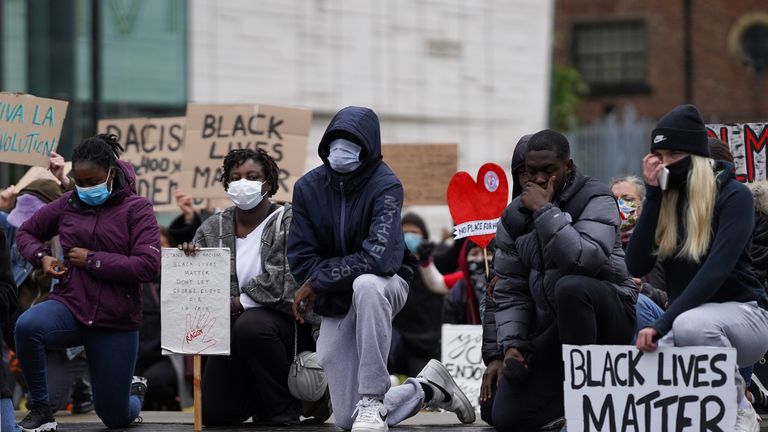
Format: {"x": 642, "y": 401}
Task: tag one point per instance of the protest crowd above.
{"x": 337, "y": 298}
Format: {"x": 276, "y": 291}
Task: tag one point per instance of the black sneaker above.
{"x": 759, "y": 393}
{"x": 39, "y": 419}
{"x": 139, "y": 387}
{"x": 82, "y": 398}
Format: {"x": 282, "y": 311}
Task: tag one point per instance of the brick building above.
{"x": 655, "y": 54}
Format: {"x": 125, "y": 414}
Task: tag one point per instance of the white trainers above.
{"x": 447, "y": 394}
{"x": 747, "y": 420}
{"x": 371, "y": 416}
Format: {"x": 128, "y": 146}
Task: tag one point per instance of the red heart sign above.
{"x": 476, "y": 205}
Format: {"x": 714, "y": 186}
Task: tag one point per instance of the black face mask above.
{"x": 678, "y": 172}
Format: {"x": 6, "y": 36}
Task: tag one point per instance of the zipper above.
{"x": 342, "y": 224}
{"x": 98, "y": 298}
{"x": 542, "y": 271}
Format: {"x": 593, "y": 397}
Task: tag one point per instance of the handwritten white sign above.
{"x": 462, "y": 356}
{"x": 475, "y": 228}
{"x": 194, "y": 294}
{"x": 618, "y": 388}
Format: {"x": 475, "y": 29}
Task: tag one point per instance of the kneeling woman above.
{"x": 253, "y": 380}
{"x": 700, "y": 227}
{"x": 111, "y": 244}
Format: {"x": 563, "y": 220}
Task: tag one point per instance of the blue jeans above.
{"x": 647, "y": 312}
{"x": 111, "y": 359}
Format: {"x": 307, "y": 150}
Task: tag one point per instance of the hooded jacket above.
{"x": 124, "y": 239}
{"x": 518, "y": 163}
{"x": 725, "y": 272}
{"x": 347, "y": 225}
{"x": 578, "y": 234}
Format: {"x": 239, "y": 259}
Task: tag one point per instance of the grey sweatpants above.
{"x": 743, "y": 326}
{"x": 353, "y": 350}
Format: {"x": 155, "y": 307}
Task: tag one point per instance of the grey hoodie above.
{"x": 275, "y": 286}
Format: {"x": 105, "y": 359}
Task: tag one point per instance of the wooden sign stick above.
{"x": 197, "y": 379}
{"x": 487, "y": 267}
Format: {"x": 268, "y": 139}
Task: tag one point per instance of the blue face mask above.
{"x": 413, "y": 241}
{"x": 95, "y": 195}
{"x": 344, "y": 156}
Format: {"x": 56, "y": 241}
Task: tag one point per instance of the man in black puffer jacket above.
{"x": 562, "y": 280}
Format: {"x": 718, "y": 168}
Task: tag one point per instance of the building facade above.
{"x": 656, "y": 54}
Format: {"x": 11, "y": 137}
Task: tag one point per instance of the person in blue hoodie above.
{"x": 346, "y": 249}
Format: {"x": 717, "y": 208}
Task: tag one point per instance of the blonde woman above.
{"x": 700, "y": 228}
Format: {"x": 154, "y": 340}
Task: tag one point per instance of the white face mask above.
{"x": 344, "y": 156}
{"x": 246, "y": 194}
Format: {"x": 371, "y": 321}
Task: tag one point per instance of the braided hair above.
{"x": 102, "y": 150}
{"x": 237, "y": 157}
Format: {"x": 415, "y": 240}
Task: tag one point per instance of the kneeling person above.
{"x": 346, "y": 247}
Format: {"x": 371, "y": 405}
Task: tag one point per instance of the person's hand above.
{"x": 652, "y": 167}
{"x": 490, "y": 376}
{"x": 78, "y": 256}
{"x": 52, "y": 267}
{"x": 7, "y": 198}
{"x": 514, "y": 354}
{"x": 424, "y": 251}
{"x": 535, "y": 197}
{"x": 645, "y": 339}
{"x": 56, "y": 167}
{"x": 638, "y": 283}
{"x": 185, "y": 204}
{"x": 303, "y": 301}
{"x": 235, "y": 306}
{"x": 190, "y": 249}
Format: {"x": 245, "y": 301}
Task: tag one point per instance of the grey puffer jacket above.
{"x": 578, "y": 234}
{"x": 275, "y": 286}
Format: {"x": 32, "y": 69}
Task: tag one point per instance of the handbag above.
{"x": 306, "y": 378}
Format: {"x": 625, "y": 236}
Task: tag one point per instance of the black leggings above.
{"x": 589, "y": 311}
{"x": 253, "y": 380}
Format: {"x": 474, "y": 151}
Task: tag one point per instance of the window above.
{"x": 611, "y": 57}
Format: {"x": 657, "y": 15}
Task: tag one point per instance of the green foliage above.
{"x": 567, "y": 89}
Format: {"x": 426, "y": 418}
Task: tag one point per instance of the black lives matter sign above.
{"x": 215, "y": 130}
{"x": 618, "y": 388}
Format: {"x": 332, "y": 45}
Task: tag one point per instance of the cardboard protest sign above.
{"x": 37, "y": 173}
{"x": 214, "y": 130}
{"x": 476, "y": 206}
{"x": 194, "y": 301}
{"x": 618, "y": 388}
{"x": 748, "y": 146}
{"x": 424, "y": 170}
{"x": 29, "y": 128}
{"x": 154, "y": 147}
{"x": 461, "y": 352}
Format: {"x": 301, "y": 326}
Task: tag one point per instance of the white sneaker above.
{"x": 371, "y": 416}
{"x": 447, "y": 394}
{"x": 747, "y": 420}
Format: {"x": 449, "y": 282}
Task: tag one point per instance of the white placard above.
{"x": 618, "y": 388}
{"x": 475, "y": 228}
{"x": 194, "y": 298}
{"x": 463, "y": 357}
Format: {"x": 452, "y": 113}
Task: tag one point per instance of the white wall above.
{"x": 474, "y": 72}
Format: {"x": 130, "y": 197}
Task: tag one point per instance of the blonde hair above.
{"x": 698, "y": 213}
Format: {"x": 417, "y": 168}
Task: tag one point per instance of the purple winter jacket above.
{"x": 124, "y": 239}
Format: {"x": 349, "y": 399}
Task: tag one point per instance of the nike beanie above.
{"x": 681, "y": 129}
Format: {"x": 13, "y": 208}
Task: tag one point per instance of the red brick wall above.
{"x": 723, "y": 88}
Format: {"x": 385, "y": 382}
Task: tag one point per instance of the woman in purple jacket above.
{"x": 111, "y": 244}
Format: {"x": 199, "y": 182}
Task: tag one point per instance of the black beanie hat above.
{"x": 681, "y": 129}
{"x": 414, "y": 219}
